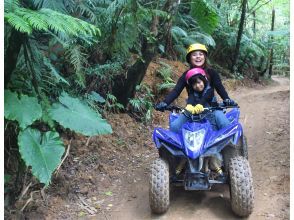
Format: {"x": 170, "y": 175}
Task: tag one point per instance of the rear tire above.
{"x": 159, "y": 186}
{"x": 241, "y": 186}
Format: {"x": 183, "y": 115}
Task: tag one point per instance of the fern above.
{"x": 78, "y": 60}
{"x": 18, "y": 23}
{"x": 55, "y": 5}
{"x": 178, "y": 33}
{"x": 126, "y": 35}
{"x": 206, "y": 16}
{"x": 10, "y": 6}
{"x": 54, "y": 71}
{"x": 142, "y": 104}
{"x": 164, "y": 86}
{"x": 26, "y": 20}
{"x": 165, "y": 72}
{"x": 107, "y": 70}
{"x": 202, "y": 38}
{"x": 112, "y": 104}
{"x": 136, "y": 104}
{"x": 83, "y": 8}
{"x": 116, "y": 6}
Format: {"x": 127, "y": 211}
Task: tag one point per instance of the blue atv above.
{"x": 199, "y": 157}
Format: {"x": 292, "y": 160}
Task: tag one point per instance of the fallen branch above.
{"x": 66, "y": 154}
{"x": 24, "y": 191}
{"x": 29, "y": 200}
{"x": 44, "y": 197}
{"x": 87, "y": 207}
{"x": 88, "y": 141}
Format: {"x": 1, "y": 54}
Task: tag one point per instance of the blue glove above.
{"x": 230, "y": 102}
{"x": 160, "y": 106}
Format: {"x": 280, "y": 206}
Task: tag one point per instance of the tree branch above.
{"x": 262, "y": 5}
{"x": 251, "y": 9}
{"x": 255, "y": 9}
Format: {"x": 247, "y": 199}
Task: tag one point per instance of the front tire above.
{"x": 244, "y": 147}
{"x": 241, "y": 186}
{"x": 229, "y": 152}
{"x": 159, "y": 186}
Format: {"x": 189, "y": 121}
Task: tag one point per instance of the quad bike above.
{"x": 199, "y": 157}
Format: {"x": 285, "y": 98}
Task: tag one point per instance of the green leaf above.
{"x": 96, "y": 97}
{"x": 82, "y": 214}
{"x": 179, "y": 31}
{"x": 7, "y": 178}
{"x": 164, "y": 86}
{"x": 108, "y": 193}
{"x": 25, "y": 109}
{"x": 54, "y": 71}
{"x": 18, "y": 23}
{"x": 205, "y": 15}
{"x": 161, "y": 48}
{"x": 42, "y": 152}
{"x": 26, "y": 20}
{"x": 73, "y": 114}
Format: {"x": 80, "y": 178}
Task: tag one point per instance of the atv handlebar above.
{"x": 200, "y": 116}
{"x": 221, "y": 106}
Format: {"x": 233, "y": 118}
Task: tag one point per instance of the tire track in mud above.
{"x": 265, "y": 118}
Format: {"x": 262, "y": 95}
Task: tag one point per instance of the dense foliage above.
{"x": 69, "y": 62}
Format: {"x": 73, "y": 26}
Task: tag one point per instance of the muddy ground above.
{"x": 106, "y": 177}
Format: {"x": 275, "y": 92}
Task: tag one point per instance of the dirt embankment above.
{"x": 106, "y": 177}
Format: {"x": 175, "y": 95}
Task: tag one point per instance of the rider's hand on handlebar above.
{"x": 198, "y": 109}
{"x": 230, "y": 102}
{"x": 160, "y": 106}
{"x": 190, "y": 108}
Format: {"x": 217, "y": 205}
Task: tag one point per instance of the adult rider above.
{"x": 196, "y": 56}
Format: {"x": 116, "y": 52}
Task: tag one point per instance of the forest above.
{"x": 70, "y": 64}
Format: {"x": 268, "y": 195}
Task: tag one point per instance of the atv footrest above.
{"x": 196, "y": 181}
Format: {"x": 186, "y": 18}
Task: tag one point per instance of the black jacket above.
{"x": 204, "y": 98}
{"x": 215, "y": 83}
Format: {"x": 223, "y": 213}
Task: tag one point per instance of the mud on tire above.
{"x": 244, "y": 147}
{"x": 241, "y": 149}
{"x": 241, "y": 186}
{"x": 159, "y": 186}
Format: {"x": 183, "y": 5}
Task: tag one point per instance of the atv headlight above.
{"x": 193, "y": 140}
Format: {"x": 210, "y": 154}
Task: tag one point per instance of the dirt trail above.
{"x": 265, "y": 116}
{"x": 107, "y": 177}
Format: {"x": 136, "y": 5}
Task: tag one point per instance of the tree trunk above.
{"x": 125, "y": 88}
{"x": 239, "y": 37}
{"x": 272, "y": 50}
{"x": 171, "y": 6}
{"x": 254, "y": 23}
{"x": 10, "y": 60}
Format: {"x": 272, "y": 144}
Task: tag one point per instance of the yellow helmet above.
{"x": 194, "y": 47}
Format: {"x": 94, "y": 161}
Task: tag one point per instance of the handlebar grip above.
{"x": 173, "y": 107}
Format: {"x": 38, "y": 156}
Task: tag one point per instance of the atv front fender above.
{"x": 166, "y": 136}
{"x": 233, "y": 131}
